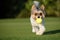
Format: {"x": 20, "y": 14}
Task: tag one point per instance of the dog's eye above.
{"x": 35, "y": 14}
{"x": 40, "y": 13}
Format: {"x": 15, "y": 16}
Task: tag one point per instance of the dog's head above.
{"x": 39, "y": 13}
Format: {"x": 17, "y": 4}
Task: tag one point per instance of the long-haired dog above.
{"x": 39, "y": 29}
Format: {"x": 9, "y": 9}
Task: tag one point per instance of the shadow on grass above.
{"x": 52, "y": 32}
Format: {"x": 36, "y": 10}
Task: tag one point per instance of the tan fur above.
{"x": 39, "y": 29}
{"x": 42, "y": 7}
{"x": 35, "y": 11}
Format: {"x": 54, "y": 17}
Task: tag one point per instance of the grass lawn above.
{"x": 20, "y": 29}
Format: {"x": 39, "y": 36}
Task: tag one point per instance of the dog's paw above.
{"x": 39, "y": 33}
{"x": 33, "y": 31}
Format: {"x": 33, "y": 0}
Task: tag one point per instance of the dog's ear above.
{"x": 33, "y": 7}
{"x": 42, "y": 7}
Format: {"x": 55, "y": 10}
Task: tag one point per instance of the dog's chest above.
{"x": 33, "y": 22}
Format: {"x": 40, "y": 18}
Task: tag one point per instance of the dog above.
{"x": 39, "y": 29}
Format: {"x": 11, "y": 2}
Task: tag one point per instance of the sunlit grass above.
{"x": 20, "y": 29}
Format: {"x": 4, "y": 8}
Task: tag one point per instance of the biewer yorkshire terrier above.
{"x": 37, "y": 12}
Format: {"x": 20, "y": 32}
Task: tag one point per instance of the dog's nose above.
{"x": 38, "y": 16}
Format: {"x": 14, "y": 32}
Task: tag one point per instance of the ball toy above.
{"x": 39, "y": 20}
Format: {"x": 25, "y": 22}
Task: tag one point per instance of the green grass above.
{"x": 20, "y": 29}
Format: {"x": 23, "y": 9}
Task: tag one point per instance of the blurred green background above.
{"x": 21, "y": 8}
{"x": 15, "y": 23}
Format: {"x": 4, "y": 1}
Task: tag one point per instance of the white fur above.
{"x": 39, "y": 29}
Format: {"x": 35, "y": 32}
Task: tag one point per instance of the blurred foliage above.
{"x": 52, "y": 8}
{"x": 22, "y": 8}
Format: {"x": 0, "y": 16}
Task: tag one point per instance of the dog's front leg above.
{"x": 33, "y": 29}
{"x": 41, "y": 30}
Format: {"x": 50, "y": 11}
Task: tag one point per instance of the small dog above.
{"x": 39, "y": 29}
